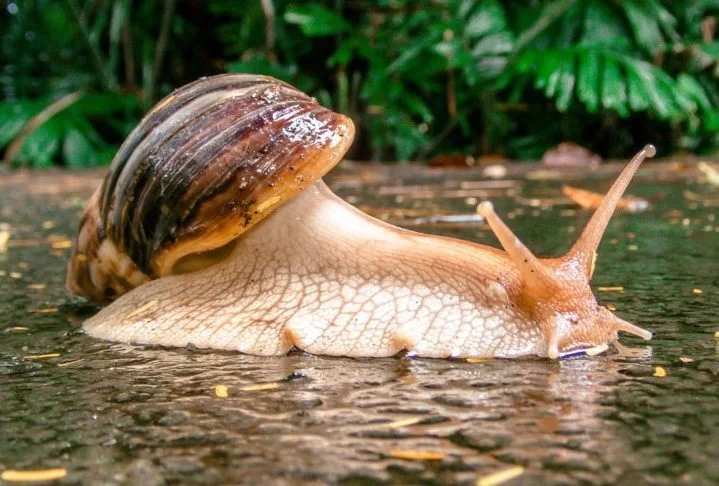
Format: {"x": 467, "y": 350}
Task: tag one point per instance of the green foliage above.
{"x": 618, "y": 58}
{"x": 419, "y": 77}
{"x": 104, "y": 49}
{"x": 70, "y": 136}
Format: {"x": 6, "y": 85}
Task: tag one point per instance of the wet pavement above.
{"x": 119, "y": 414}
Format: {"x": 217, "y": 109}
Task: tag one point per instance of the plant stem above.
{"x": 95, "y": 54}
{"x": 550, "y": 14}
{"x": 35, "y": 122}
{"x": 269, "y": 10}
{"x": 128, "y": 55}
{"x": 161, "y": 47}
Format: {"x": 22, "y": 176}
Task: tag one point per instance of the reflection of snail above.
{"x": 215, "y": 211}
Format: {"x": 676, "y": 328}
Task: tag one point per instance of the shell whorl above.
{"x": 209, "y": 161}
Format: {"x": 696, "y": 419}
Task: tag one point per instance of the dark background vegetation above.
{"x": 420, "y": 78}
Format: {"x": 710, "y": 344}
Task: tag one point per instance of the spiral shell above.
{"x": 207, "y": 162}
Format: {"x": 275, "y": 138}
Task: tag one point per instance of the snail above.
{"x": 213, "y": 227}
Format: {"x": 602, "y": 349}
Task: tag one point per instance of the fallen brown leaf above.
{"x": 592, "y": 200}
{"x": 41, "y": 356}
{"x": 500, "y": 477}
{"x": 266, "y": 386}
{"x": 17, "y": 476}
{"x": 418, "y": 455}
{"x": 402, "y": 423}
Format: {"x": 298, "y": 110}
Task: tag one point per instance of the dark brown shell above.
{"x": 206, "y": 163}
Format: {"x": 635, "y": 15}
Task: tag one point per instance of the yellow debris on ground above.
{"x": 660, "y": 372}
{"x": 46, "y": 310}
{"x": 68, "y": 363}
{"x": 17, "y": 476}
{"x": 402, "y": 423}
{"x": 500, "y": 477}
{"x": 697, "y": 291}
{"x": 417, "y": 455}
{"x": 617, "y": 288}
{"x": 4, "y": 237}
{"x": 41, "y": 356}
{"x": 61, "y": 244}
{"x": 221, "y": 391}
{"x": 266, "y": 386}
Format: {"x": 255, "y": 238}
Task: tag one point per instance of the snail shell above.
{"x": 207, "y": 163}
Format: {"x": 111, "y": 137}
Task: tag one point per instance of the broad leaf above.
{"x": 316, "y": 20}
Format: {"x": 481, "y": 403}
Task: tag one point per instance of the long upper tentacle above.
{"x": 586, "y": 246}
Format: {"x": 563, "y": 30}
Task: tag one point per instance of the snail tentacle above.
{"x": 584, "y": 250}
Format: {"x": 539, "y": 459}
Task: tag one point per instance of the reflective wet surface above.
{"x": 118, "y": 414}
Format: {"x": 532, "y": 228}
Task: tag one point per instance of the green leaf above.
{"x": 342, "y": 55}
{"x": 588, "y": 84}
{"x": 549, "y": 62}
{"x": 493, "y": 44}
{"x": 614, "y": 91}
{"x": 602, "y": 25}
{"x": 660, "y": 104}
{"x": 565, "y": 86}
{"x": 416, "y": 105}
{"x": 489, "y": 17}
{"x": 77, "y": 150}
{"x": 13, "y": 116}
{"x": 104, "y": 104}
{"x": 408, "y": 55}
{"x": 644, "y": 26}
{"x": 316, "y": 20}
{"x": 636, "y": 90}
{"x": 42, "y": 145}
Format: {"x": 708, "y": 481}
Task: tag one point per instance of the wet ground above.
{"x": 118, "y": 414}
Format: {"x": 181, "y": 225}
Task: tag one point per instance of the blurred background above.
{"x": 424, "y": 80}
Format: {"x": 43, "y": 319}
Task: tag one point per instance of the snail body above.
{"x": 213, "y": 227}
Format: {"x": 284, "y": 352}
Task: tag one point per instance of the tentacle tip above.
{"x": 650, "y": 150}
{"x": 641, "y": 333}
{"x": 485, "y": 208}
{"x": 628, "y": 327}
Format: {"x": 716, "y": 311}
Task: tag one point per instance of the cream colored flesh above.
{"x": 326, "y": 278}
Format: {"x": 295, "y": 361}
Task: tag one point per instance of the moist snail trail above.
{"x": 213, "y": 227}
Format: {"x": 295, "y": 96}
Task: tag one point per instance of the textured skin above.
{"x": 328, "y": 279}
